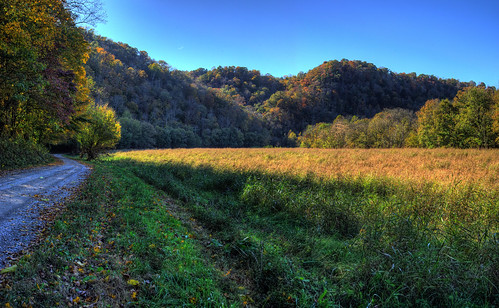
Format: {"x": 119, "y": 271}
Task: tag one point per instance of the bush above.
{"x": 100, "y": 133}
{"x": 18, "y": 153}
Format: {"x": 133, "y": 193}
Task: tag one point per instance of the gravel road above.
{"x": 24, "y": 194}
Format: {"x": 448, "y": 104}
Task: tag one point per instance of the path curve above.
{"x": 24, "y": 194}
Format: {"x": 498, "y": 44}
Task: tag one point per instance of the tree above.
{"x": 292, "y": 139}
{"x": 495, "y": 116}
{"x": 99, "y": 133}
{"x": 315, "y": 136}
{"x": 42, "y": 82}
{"x": 86, "y": 11}
{"x": 445, "y": 124}
{"x": 356, "y": 135}
{"x": 147, "y": 139}
{"x": 426, "y": 128}
{"x": 436, "y": 124}
{"x": 390, "y": 128}
{"x": 474, "y": 121}
{"x": 131, "y": 131}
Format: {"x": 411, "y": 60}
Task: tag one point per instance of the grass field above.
{"x": 275, "y": 228}
{"x": 446, "y": 166}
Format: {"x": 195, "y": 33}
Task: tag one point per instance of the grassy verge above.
{"x": 237, "y": 237}
{"x": 116, "y": 244}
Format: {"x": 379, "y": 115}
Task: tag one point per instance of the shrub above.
{"x": 18, "y": 153}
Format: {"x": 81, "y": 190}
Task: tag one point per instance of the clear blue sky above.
{"x": 449, "y": 39}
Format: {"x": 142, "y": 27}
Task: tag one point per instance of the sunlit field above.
{"x": 445, "y": 166}
{"x": 274, "y": 228}
{"x": 309, "y": 227}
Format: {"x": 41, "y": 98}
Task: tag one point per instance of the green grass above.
{"x": 349, "y": 242}
{"x": 259, "y": 239}
{"x": 116, "y": 244}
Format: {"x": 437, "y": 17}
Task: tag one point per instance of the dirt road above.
{"x": 24, "y": 194}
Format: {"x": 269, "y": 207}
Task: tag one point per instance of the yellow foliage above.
{"x": 102, "y": 131}
{"x": 30, "y": 35}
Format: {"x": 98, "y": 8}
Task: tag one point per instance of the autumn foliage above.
{"x": 52, "y": 71}
{"x": 233, "y": 106}
{"x": 99, "y": 133}
{"x": 43, "y": 84}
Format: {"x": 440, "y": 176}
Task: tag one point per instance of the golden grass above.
{"x": 446, "y": 166}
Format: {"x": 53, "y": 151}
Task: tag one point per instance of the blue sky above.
{"x": 448, "y": 39}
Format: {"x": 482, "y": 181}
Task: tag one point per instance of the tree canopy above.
{"x": 43, "y": 85}
{"x": 466, "y": 122}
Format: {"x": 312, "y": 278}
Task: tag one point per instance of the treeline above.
{"x": 143, "y": 135}
{"x": 387, "y": 129}
{"x": 235, "y": 107}
{"x": 470, "y": 120}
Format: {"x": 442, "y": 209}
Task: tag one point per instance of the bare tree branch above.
{"x": 88, "y": 12}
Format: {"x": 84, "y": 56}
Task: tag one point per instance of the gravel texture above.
{"x": 25, "y": 194}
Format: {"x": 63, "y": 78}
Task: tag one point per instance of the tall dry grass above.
{"x": 446, "y": 166}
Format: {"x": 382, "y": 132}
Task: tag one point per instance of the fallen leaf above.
{"x": 10, "y": 269}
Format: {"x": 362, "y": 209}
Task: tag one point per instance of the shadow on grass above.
{"x": 349, "y": 241}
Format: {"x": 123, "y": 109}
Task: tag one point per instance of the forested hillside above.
{"x": 352, "y": 88}
{"x": 163, "y": 107}
{"x": 55, "y": 74}
{"x": 234, "y": 107}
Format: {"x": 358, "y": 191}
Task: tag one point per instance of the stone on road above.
{"x": 23, "y": 194}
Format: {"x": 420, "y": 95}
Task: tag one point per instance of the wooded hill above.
{"x": 231, "y": 106}
{"x": 56, "y": 78}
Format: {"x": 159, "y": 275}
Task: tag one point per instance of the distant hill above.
{"x": 162, "y": 107}
{"x": 234, "y": 106}
{"x": 352, "y": 88}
